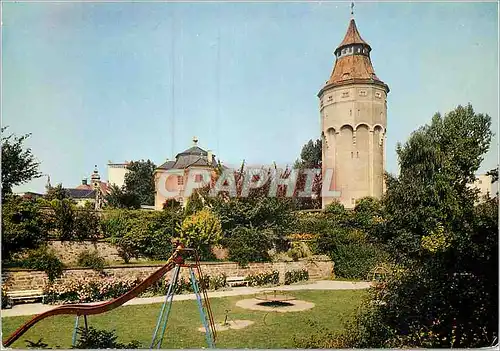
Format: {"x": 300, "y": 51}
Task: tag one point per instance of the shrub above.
{"x": 299, "y": 250}
{"x": 248, "y": 245}
{"x": 92, "y": 260}
{"x": 256, "y": 211}
{"x": 217, "y": 282}
{"x": 86, "y": 225}
{"x": 116, "y": 223}
{"x": 311, "y": 222}
{"x": 172, "y": 205}
{"x": 184, "y": 285}
{"x": 62, "y": 219}
{"x": 6, "y": 302}
{"x": 91, "y": 338}
{"x": 147, "y": 234}
{"x": 45, "y": 260}
{"x": 201, "y": 230}
{"x": 354, "y": 255}
{"x": 356, "y": 260}
{"x": 22, "y": 225}
{"x": 263, "y": 278}
{"x": 296, "y": 276}
{"x": 88, "y": 289}
{"x": 337, "y": 213}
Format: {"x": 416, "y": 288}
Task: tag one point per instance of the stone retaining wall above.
{"x": 68, "y": 251}
{"x": 22, "y": 279}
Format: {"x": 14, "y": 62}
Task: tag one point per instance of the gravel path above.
{"x": 36, "y": 308}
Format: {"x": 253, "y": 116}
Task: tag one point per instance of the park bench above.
{"x": 236, "y": 281}
{"x": 26, "y": 295}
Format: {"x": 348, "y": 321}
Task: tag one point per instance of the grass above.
{"x": 270, "y": 330}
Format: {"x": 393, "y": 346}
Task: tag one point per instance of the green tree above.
{"x": 62, "y": 220}
{"x": 445, "y": 293}
{"x": 310, "y": 156}
{"x": 248, "y": 245}
{"x": 56, "y": 192}
{"x": 142, "y": 234}
{"x": 22, "y": 225}
{"x": 18, "y": 164}
{"x": 139, "y": 180}
{"x": 494, "y": 175}
{"x": 122, "y": 198}
{"x": 200, "y": 231}
{"x": 87, "y": 225}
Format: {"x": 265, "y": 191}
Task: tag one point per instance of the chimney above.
{"x": 84, "y": 181}
{"x": 210, "y": 157}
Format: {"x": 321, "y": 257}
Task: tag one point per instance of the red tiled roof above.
{"x": 352, "y": 67}
{"x": 104, "y": 187}
{"x": 352, "y": 36}
{"x": 356, "y": 67}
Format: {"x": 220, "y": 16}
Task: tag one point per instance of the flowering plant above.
{"x": 88, "y": 289}
{"x": 302, "y": 236}
{"x": 264, "y": 278}
{"x": 296, "y": 276}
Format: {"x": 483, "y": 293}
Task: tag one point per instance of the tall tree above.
{"x": 310, "y": 156}
{"x": 23, "y": 226}
{"x": 140, "y": 181}
{"x": 121, "y": 198}
{"x": 56, "y": 192}
{"x": 494, "y": 175}
{"x": 18, "y": 163}
{"x": 445, "y": 292}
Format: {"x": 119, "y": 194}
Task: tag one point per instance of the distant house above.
{"x": 116, "y": 173}
{"x": 30, "y": 195}
{"x": 94, "y": 193}
{"x": 173, "y": 175}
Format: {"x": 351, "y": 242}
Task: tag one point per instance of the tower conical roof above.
{"x": 352, "y": 36}
{"x": 353, "y": 63}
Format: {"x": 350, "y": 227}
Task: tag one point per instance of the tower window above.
{"x": 378, "y": 95}
{"x": 362, "y": 93}
{"x": 330, "y": 98}
{"x": 352, "y": 154}
{"x": 345, "y": 94}
{"x": 350, "y": 112}
{"x": 198, "y": 178}
{"x": 180, "y": 180}
{"x": 357, "y": 154}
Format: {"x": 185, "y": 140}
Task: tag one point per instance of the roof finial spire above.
{"x": 352, "y": 9}
{"x": 195, "y": 141}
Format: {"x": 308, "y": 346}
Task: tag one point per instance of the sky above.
{"x": 99, "y": 82}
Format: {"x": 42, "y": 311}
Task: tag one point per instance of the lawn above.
{"x": 137, "y": 322}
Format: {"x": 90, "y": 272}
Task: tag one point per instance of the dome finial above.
{"x": 352, "y": 9}
{"x": 195, "y": 141}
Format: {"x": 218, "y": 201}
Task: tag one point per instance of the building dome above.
{"x": 194, "y": 156}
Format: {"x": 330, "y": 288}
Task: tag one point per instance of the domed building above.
{"x": 173, "y": 175}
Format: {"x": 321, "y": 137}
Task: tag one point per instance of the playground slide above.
{"x": 82, "y": 310}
